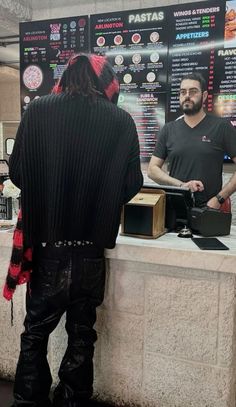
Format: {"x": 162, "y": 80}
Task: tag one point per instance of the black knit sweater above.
{"x": 76, "y": 162}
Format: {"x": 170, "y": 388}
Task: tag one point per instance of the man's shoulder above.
{"x": 220, "y": 122}
{"x": 174, "y": 124}
{"x": 213, "y": 117}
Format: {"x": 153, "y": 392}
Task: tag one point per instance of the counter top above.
{"x": 172, "y": 250}
{"x": 169, "y": 250}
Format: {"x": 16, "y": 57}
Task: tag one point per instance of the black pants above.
{"x": 64, "y": 279}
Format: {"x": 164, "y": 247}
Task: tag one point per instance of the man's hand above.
{"x": 193, "y": 185}
{"x": 213, "y": 203}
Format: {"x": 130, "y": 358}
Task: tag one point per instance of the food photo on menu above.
{"x": 118, "y": 39}
{"x": 230, "y": 24}
{"x": 136, "y": 38}
{"x": 33, "y": 77}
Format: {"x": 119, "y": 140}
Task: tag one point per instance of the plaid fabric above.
{"x": 20, "y": 265}
{"x": 107, "y": 81}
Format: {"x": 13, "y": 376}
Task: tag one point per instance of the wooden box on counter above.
{"x": 144, "y": 215}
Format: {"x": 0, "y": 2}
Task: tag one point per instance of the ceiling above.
{"x": 11, "y": 13}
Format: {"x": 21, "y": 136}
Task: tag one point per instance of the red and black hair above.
{"x": 89, "y": 75}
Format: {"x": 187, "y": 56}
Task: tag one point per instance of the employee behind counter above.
{"x": 195, "y": 146}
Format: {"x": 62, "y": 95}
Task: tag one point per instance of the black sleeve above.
{"x": 15, "y": 157}
{"x": 134, "y": 177}
{"x": 160, "y": 150}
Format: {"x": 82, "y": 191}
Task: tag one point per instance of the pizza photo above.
{"x": 32, "y": 77}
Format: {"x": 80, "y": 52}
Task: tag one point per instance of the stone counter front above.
{"x": 166, "y": 329}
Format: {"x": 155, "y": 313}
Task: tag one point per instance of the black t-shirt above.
{"x": 197, "y": 153}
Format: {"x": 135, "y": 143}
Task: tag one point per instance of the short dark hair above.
{"x": 196, "y": 76}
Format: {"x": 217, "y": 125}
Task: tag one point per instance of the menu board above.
{"x": 226, "y": 52}
{"x": 148, "y": 112}
{"x": 204, "y": 39}
{"x": 150, "y": 50}
{"x": 196, "y": 35}
{"x": 224, "y": 103}
{"x": 45, "y": 47}
{"x": 136, "y": 43}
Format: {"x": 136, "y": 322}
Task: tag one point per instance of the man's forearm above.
{"x": 161, "y": 177}
{"x": 229, "y": 188}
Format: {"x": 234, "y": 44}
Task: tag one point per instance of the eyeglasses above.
{"x": 190, "y": 92}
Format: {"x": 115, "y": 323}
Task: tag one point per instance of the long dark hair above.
{"x": 79, "y": 78}
{"x": 89, "y": 75}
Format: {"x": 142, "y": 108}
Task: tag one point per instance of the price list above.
{"x": 193, "y": 46}
{"x": 225, "y": 72}
{"x": 136, "y": 43}
{"x": 45, "y": 47}
{"x": 150, "y": 50}
{"x": 148, "y": 112}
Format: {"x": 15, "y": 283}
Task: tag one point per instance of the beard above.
{"x": 192, "y": 107}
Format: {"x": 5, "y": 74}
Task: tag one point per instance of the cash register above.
{"x": 181, "y": 212}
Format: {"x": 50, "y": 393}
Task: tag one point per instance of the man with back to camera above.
{"x": 76, "y": 160}
{"x": 195, "y": 146}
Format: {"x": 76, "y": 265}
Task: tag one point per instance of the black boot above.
{"x": 19, "y": 402}
{"x": 65, "y": 397}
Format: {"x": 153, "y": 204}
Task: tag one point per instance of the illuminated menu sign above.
{"x": 150, "y": 50}
{"x": 45, "y": 47}
{"x": 136, "y": 43}
{"x": 198, "y": 31}
{"x": 148, "y": 112}
{"x": 224, "y": 103}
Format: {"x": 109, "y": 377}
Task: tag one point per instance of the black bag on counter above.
{"x": 210, "y": 222}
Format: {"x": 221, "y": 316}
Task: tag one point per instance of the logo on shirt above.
{"x": 206, "y": 139}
